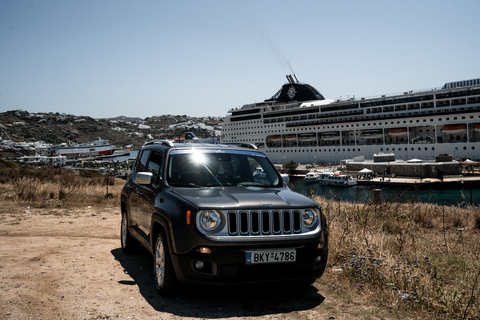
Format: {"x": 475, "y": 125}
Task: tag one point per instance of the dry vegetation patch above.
{"x": 418, "y": 257}
{"x": 56, "y": 187}
{"x": 408, "y": 258}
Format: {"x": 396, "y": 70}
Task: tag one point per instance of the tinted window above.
{"x": 154, "y": 166}
{"x": 141, "y": 165}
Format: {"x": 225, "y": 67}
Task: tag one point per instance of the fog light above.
{"x": 199, "y": 265}
{"x": 204, "y": 250}
{"x": 318, "y": 259}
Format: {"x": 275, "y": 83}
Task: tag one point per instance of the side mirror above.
{"x": 144, "y": 178}
{"x": 285, "y": 178}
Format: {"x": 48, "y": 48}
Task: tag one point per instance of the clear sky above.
{"x": 106, "y": 58}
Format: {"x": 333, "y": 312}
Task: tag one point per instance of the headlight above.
{"x": 210, "y": 220}
{"x": 310, "y": 217}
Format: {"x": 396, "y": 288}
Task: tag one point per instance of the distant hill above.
{"x": 55, "y": 128}
{"x": 123, "y": 119}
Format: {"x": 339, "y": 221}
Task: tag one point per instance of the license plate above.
{"x": 271, "y": 256}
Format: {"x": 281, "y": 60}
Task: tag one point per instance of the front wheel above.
{"x": 165, "y": 280}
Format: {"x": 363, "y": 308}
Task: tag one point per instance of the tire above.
{"x": 128, "y": 243}
{"x": 165, "y": 279}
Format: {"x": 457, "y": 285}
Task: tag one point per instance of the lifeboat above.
{"x": 372, "y": 134}
{"x": 307, "y": 137}
{"x": 275, "y": 138}
{"x": 454, "y": 129}
{"x": 330, "y": 136}
{"x": 477, "y": 127}
{"x": 290, "y": 137}
{"x": 398, "y": 132}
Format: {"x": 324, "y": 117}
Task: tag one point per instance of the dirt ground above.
{"x": 67, "y": 264}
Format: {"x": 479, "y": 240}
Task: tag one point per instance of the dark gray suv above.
{"x": 219, "y": 214}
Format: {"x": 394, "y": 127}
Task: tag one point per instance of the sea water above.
{"x": 464, "y": 196}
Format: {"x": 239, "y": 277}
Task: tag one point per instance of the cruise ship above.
{"x": 299, "y": 124}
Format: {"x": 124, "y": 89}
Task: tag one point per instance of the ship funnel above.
{"x": 290, "y": 79}
{"x": 295, "y": 76}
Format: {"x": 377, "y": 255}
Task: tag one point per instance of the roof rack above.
{"x": 242, "y": 144}
{"x": 162, "y": 142}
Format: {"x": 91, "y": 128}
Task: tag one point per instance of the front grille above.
{"x": 264, "y": 222}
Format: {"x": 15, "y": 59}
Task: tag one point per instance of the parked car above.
{"x": 219, "y": 214}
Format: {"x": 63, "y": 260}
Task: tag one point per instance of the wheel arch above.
{"x": 161, "y": 225}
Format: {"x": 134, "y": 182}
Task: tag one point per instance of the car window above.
{"x": 154, "y": 166}
{"x": 212, "y": 169}
{"x": 141, "y": 165}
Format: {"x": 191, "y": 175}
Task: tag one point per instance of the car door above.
{"x": 136, "y": 189}
{"x": 148, "y": 193}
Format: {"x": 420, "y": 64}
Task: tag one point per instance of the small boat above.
{"x": 290, "y": 137}
{"x": 311, "y": 176}
{"x": 454, "y": 129}
{"x": 307, "y": 137}
{"x": 337, "y": 179}
{"x": 275, "y": 138}
{"x": 398, "y": 132}
{"x": 330, "y": 136}
{"x": 372, "y": 134}
{"x": 477, "y": 127}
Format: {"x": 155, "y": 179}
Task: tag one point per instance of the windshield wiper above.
{"x": 185, "y": 185}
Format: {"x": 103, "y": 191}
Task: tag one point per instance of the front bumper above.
{"x": 227, "y": 264}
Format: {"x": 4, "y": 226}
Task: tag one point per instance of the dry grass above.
{"x": 420, "y": 258}
{"x": 408, "y": 257}
{"x": 55, "y": 187}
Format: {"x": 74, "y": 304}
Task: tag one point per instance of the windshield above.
{"x": 221, "y": 168}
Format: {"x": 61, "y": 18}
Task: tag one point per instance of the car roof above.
{"x": 166, "y": 144}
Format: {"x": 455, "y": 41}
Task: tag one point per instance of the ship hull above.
{"x": 92, "y": 149}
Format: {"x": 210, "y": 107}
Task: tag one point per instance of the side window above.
{"x": 154, "y": 166}
{"x": 141, "y": 165}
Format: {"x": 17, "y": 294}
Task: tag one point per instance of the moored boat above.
{"x": 311, "y": 176}
{"x": 337, "y": 179}
{"x": 96, "y": 148}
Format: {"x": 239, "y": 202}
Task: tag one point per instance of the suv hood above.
{"x": 244, "y": 197}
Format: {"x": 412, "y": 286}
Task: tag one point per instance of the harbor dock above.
{"x": 448, "y": 181}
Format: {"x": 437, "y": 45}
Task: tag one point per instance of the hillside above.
{"x": 23, "y": 126}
